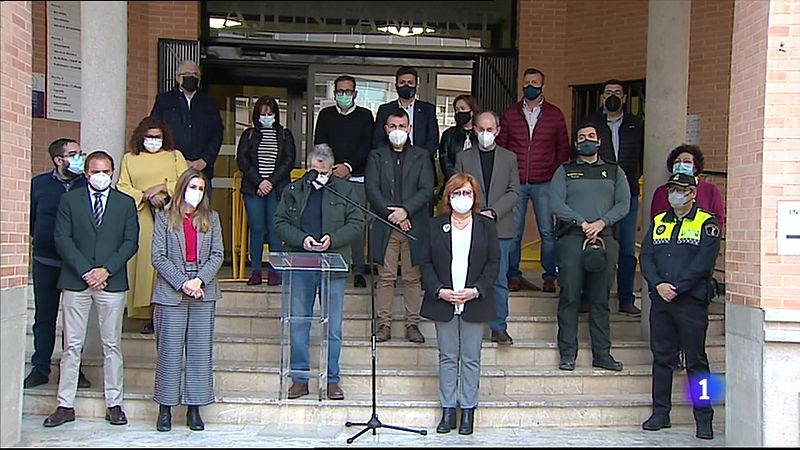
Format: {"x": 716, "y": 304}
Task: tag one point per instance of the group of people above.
{"x": 584, "y": 193}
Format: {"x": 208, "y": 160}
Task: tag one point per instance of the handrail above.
{"x": 238, "y": 230}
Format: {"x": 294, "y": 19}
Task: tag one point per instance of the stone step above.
{"x": 357, "y": 379}
{"x": 263, "y": 408}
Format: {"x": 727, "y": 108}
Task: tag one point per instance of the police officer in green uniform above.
{"x": 678, "y": 256}
{"x": 588, "y": 196}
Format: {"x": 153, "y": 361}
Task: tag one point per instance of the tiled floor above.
{"x": 97, "y": 433}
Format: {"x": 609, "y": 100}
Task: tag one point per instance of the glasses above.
{"x": 149, "y": 136}
{"x": 463, "y": 192}
{"x": 345, "y": 91}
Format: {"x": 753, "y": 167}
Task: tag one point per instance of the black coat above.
{"x": 425, "y": 129}
{"x": 631, "y": 146}
{"x": 484, "y": 263}
{"x": 197, "y": 133}
{"x": 452, "y": 143}
{"x": 417, "y": 192}
{"x": 247, "y": 159}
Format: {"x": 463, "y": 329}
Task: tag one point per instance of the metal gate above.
{"x": 171, "y": 52}
{"x": 494, "y": 82}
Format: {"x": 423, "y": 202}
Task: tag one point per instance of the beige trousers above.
{"x": 398, "y": 247}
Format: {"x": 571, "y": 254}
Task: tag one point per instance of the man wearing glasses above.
{"x": 194, "y": 119}
{"x": 347, "y": 129}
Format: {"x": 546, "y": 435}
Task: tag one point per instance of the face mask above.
{"x": 406, "y": 92}
{"x": 684, "y": 168}
{"x": 587, "y": 148}
{"x": 613, "y": 103}
{"x": 266, "y": 121}
{"x": 398, "y": 138}
{"x": 463, "y": 117}
{"x": 461, "y": 204}
{"x": 486, "y": 139}
{"x": 190, "y": 83}
{"x": 100, "y": 181}
{"x": 531, "y": 92}
{"x": 322, "y": 180}
{"x": 75, "y": 166}
{"x": 678, "y": 199}
{"x": 344, "y": 101}
{"x": 152, "y": 145}
{"x": 193, "y": 197}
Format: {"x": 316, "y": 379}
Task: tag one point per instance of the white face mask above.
{"x": 322, "y": 180}
{"x": 486, "y": 139}
{"x": 678, "y": 199}
{"x": 398, "y": 138}
{"x": 152, "y": 145}
{"x": 100, "y": 181}
{"x": 461, "y": 204}
{"x": 193, "y": 197}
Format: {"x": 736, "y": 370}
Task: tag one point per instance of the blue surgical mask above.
{"x": 75, "y": 164}
{"x": 266, "y": 121}
{"x": 684, "y": 168}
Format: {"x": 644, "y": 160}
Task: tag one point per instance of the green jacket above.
{"x": 84, "y": 246}
{"x": 341, "y": 220}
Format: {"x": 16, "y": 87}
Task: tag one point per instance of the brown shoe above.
{"x": 502, "y": 337}
{"x": 297, "y": 390}
{"x": 514, "y": 284}
{"x": 549, "y": 286}
{"x": 255, "y": 278}
{"x": 414, "y": 335}
{"x": 383, "y": 334}
{"x": 60, "y": 417}
{"x": 335, "y": 392}
{"x": 116, "y": 415}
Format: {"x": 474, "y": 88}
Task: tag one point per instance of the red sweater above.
{"x": 537, "y": 158}
{"x": 708, "y": 198}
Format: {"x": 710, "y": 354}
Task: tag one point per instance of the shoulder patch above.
{"x": 661, "y": 229}
{"x": 604, "y": 173}
{"x": 712, "y": 230}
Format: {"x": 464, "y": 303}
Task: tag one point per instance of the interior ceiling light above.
{"x": 405, "y": 30}
{"x": 219, "y": 23}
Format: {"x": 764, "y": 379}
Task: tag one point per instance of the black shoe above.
{"x": 35, "y": 378}
{"x": 630, "y": 310}
{"x": 502, "y": 337}
{"x": 608, "y": 363}
{"x": 448, "y": 422}
{"x": 164, "y": 421}
{"x": 656, "y": 422}
{"x": 704, "y": 430}
{"x": 359, "y": 281}
{"x": 567, "y": 364}
{"x": 467, "y": 419}
{"x": 60, "y": 417}
{"x": 116, "y": 416}
{"x": 83, "y": 382}
{"x": 193, "y": 419}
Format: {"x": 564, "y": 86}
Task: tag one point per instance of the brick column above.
{"x": 763, "y": 310}
{"x": 16, "y": 47}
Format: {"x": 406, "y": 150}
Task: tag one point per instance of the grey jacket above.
{"x": 503, "y": 194}
{"x": 169, "y": 259}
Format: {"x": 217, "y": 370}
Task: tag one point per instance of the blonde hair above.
{"x": 178, "y": 207}
{"x": 456, "y": 181}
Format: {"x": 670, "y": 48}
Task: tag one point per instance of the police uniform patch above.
{"x": 661, "y": 229}
{"x": 712, "y": 230}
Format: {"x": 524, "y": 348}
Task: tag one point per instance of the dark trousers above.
{"x": 47, "y": 297}
{"x": 681, "y": 323}
{"x": 572, "y": 278}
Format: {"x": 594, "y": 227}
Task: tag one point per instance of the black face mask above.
{"x": 613, "y": 103}
{"x": 406, "y": 92}
{"x": 190, "y": 83}
{"x": 463, "y": 117}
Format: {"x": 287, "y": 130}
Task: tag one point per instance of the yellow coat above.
{"x": 137, "y": 174}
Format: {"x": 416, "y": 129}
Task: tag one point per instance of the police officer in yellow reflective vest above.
{"x": 678, "y": 256}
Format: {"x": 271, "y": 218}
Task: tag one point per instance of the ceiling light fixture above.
{"x": 218, "y": 23}
{"x": 405, "y": 30}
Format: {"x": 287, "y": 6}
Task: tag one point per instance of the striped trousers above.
{"x": 187, "y": 328}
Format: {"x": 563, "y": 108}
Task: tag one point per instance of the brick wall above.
{"x": 15, "y": 142}
{"x": 542, "y": 41}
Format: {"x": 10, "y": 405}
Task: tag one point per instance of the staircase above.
{"x": 521, "y": 385}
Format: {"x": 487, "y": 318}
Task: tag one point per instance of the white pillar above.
{"x": 667, "y": 97}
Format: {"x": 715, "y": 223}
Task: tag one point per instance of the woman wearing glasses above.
{"x": 459, "y": 267}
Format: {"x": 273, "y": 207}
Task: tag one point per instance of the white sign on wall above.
{"x": 789, "y": 228}
{"x": 64, "y": 61}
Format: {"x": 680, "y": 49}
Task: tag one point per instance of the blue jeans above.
{"x": 500, "y": 288}
{"x": 626, "y": 267}
{"x": 260, "y": 217}
{"x": 305, "y": 286}
{"x": 539, "y": 194}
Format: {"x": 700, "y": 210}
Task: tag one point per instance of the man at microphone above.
{"x": 312, "y": 219}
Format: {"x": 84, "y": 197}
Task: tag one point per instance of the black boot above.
{"x": 467, "y": 418}
{"x": 704, "y": 430}
{"x": 164, "y": 421}
{"x": 193, "y": 419}
{"x": 448, "y": 422}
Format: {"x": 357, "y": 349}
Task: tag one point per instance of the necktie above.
{"x": 98, "y": 209}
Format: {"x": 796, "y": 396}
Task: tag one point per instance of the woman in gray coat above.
{"x": 187, "y": 254}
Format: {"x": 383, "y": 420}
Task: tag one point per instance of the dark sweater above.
{"x": 46, "y": 192}
{"x": 487, "y": 166}
{"x": 350, "y": 136}
{"x": 311, "y": 220}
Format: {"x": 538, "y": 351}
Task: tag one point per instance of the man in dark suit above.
{"x": 194, "y": 118}
{"x": 96, "y": 233}
{"x": 423, "y": 127}
{"x": 399, "y": 184}
{"x": 495, "y": 168}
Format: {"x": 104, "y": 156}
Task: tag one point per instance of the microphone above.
{"x": 311, "y": 176}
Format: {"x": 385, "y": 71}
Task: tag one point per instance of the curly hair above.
{"x": 136, "y": 143}
{"x": 697, "y": 154}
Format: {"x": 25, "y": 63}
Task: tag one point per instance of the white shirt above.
{"x": 410, "y": 112}
{"x": 461, "y": 241}
{"x": 346, "y": 113}
{"x": 188, "y": 99}
{"x": 613, "y": 125}
{"x": 532, "y": 115}
{"x": 103, "y": 199}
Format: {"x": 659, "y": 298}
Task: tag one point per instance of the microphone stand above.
{"x": 373, "y": 423}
